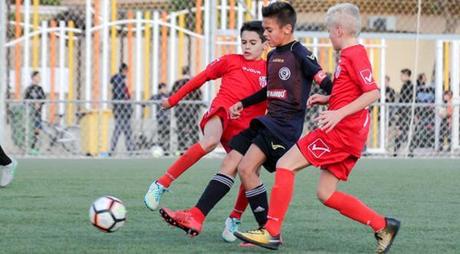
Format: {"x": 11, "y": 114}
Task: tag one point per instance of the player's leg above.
{"x": 128, "y": 132}
{"x": 281, "y": 195}
{"x": 8, "y": 166}
{"x": 255, "y": 189}
{"x": 116, "y": 131}
{"x": 191, "y": 220}
{"x": 385, "y": 228}
{"x": 233, "y": 221}
{"x": 211, "y": 137}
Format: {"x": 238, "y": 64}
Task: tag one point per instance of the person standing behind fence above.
{"x": 163, "y": 118}
{"x": 390, "y": 94}
{"x": 424, "y": 134}
{"x": 122, "y": 111}
{"x": 445, "y": 113}
{"x": 35, "y": 92}
{"x": 406, "y": 97}
{"x": 187, "y": 115}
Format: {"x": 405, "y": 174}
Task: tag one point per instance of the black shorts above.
{"x": 263, "y": 138}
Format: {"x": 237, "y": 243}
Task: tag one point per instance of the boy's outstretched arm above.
{"x": 193, "y": 84}
{"x": 214, "y": 70}
{"x": 329, "y": 119}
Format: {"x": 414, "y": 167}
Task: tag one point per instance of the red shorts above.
{"x": 328, "y": 153}
{"x": 230, "y": 127}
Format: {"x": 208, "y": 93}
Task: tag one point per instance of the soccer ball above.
{"x": 157, "y": 151}
{"x": 107, "y": 214}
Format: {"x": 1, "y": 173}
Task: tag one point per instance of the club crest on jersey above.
{"x": 284, "y": 73}
{"x": 337, "y": 71}
{"x": 366, "y": 75}
{"x": 263, "y": 81}
{"x": 318, "y": 148}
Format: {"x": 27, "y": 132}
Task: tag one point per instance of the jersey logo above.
{"x": 275, "y": 146}
{"x": 284, "y": 73}
{"x": 366, "y": 75}
{"x": 311, "y": 57}
{"x": 259, "y": 209}
{"x": 251, "y": 70}
{"x": 319, "y": 77}
{"x": 337, "y": 71}
{"x": 215, "y": 61}
{"x": 277, "y": 60}
{"x": 318, "y": 148}
{"x": 263, "y": 81}
{"x": 277, "y": 93}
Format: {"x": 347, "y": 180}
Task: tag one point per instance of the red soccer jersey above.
{"x": 240, "y": 78}
{"x": 352, "y": 78}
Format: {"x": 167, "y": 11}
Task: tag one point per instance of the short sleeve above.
{"x": 308, "y": 62}
{"x": 360, "y": 65}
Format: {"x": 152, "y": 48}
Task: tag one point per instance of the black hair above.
{"x": 283, "y": 12}
{"x": 161, "y": 85}
{"x": 186, "y": 70}
{"x": 254, "y": 26}
{"x": 34, "y": 73}
{"x": 123, "y": 67}
{"x": 407, "y": 72}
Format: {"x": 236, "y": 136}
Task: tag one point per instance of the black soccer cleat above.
{"x": 386, "y": 236}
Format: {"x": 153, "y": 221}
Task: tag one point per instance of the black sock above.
{"x": 217, "y": 188}
{"x": 257, "y": 198}
{"x": 4, "y": 159}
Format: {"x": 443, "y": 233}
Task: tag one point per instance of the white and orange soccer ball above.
{"x": 107, "y": 214}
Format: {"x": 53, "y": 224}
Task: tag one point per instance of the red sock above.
{"x": 240, "y": 204}
{"x": 281, "y": 196}
{"x": 190, "y": 157}
{"x": 356, "y": 210}
{"x": 197, "y": 214}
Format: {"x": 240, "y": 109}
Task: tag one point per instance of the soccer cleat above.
{"x": 153, "y": 196}
{"x": 386, "y": 236}
{"x": 8, "y": 173}
{"x": 260, "y": 237}
{"x": 182, "y": 219}
{"x": 246, "y": 245}
{"x": 231, "y": 226}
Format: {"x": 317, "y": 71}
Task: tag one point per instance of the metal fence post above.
{"x": 3, "y": 69}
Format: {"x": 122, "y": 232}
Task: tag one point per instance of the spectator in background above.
{"x": 390, "y": 94}
{"x": 424, "y": 136}
{"x": 163, "y": 117}
{"x": 186, "y": 114}
{"x": 35, "y": 92}
{"x": 446, "y": 124}
{"x": 404, "y": 112}
{"x": 122, "y": 112}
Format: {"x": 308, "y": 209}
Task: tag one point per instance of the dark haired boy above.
{"x": 241, "y": 75}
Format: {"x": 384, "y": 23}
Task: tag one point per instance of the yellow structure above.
{"x": 95, "y": 132}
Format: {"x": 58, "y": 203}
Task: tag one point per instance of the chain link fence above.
{"x": 115, "y": 132}
{"x": 86, "y": 50}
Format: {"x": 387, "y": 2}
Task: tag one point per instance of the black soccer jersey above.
{"x": 291, "y": 70}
